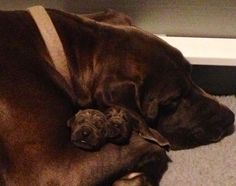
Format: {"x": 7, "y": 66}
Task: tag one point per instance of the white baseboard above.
{"x": 205, "y": 51}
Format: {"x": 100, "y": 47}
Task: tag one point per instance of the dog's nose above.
{"x": 229, "y": 116}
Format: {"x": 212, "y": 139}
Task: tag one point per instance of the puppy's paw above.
{"x": 119, "y": 125}
{"x": 88, "y": 129}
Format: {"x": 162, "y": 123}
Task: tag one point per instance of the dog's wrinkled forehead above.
{"x": 167, "y": 79}
{"x": 168, "y": 70}
{"x": 171, "y": 84}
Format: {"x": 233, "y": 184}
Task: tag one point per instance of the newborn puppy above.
{"x": 119, "y": 125}
{"x": 88, "y": 129}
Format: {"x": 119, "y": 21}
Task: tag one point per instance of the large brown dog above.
{"x": 109, "y": 65}
{"x": 35, "y": 147}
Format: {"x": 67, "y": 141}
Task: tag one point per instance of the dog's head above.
{"x": 154, "y": 79}
{"x": 88, "y": 129}
{"x": 184, "y": 113}
{"x": 178, "y": 108}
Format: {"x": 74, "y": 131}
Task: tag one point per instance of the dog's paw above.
{"x": 119, "y": 126}
{"x": 133, "y": 179}
{"x": 88, "y": 129}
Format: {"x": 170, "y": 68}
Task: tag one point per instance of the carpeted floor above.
{"x": 210, "y": 165}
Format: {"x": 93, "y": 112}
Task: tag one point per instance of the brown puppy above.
{"x": 120, "y": 125}
{"x": 88, "y": 129}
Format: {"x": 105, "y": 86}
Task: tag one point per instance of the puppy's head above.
{"x": 88, "y": 129}
{"x": 119, "y": 126}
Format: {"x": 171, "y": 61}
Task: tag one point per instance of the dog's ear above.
{"x": 110, "y": 16}
{"x": 124, "y": 93}
{"x": 150, "y": 134}
{"x": 161, "y": 140}
{"x": 70, "y": 121}
{"x": 150, "y": 108}
{"x": 127, "y": 93}
{"x": 154, "y": 136}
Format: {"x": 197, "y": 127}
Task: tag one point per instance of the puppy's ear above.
{"x": 70, "y": 121}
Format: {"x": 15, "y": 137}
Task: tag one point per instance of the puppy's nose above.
{"x": 85, "y": 132}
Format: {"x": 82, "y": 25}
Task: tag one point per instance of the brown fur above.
{"x": 109, "y": 65}
{"x": 110, "y": 16}
{"x": 34, "y": 140}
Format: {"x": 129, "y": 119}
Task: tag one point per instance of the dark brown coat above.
{"x": 109, "y": 65}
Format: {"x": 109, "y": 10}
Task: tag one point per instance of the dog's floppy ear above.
{"x": 124, "y": 93}
{"x": 110, "y": 16}
{"x": 70, "y": 121}
{"x": 151, "y": 109}
{"x": 147, "y": 133}
{"x": 150, "y": 134}
{"x": 153, "y": 136}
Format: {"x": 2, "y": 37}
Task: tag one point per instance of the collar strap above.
{"x": 55, "y": 49}
{"x": 51, "y": 40}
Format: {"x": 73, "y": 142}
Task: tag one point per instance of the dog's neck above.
{"x": 80, "y": 40}
{"x": 73, "y": 32}
{"x": 52, "y": 41}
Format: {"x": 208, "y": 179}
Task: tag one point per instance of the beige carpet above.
{"x": 211, "y": 165}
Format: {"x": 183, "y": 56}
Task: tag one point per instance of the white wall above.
{"x": 209, "y": 18}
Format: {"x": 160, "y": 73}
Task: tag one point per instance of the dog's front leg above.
{"x": 147, "y": 172}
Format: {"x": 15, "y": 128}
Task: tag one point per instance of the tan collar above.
{"x": 51, "y": 40}
{"x": 54, "y": 46}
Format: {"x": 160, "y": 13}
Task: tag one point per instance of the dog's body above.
{"x": 108, "y": 65}
{"x": 35, "y": 147}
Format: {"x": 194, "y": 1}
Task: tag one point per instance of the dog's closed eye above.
{"x": 170, "y": 106}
